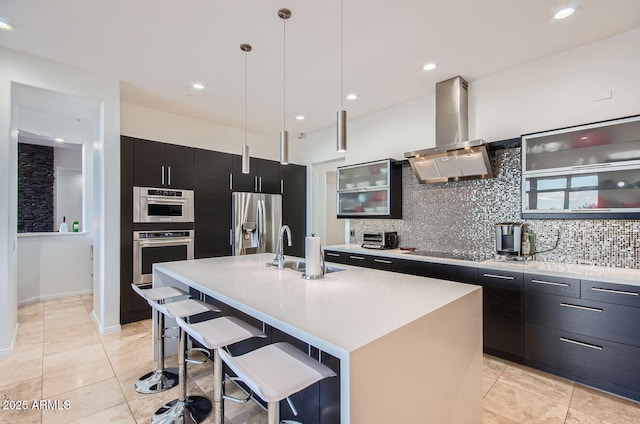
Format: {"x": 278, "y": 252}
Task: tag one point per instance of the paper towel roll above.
{"x": 313, "y": 266}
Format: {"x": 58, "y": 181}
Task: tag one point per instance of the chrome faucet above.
{"x": 279, "y": 259}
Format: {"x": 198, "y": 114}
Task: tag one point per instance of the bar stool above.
{"x": 275, "y": 372}
{"x": 162, "y": 378}
{"x": 215, "y": 334}
{"x": 191, "y": 409}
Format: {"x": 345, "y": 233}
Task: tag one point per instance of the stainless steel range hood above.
{"x": 455, "y": 157}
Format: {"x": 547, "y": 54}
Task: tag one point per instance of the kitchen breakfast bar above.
{"x": 409, "y": 348}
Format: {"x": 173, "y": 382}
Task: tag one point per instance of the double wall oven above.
{"x": 162, "y": 233}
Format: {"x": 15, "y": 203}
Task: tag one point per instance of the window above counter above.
{"x": 588, "y": 171}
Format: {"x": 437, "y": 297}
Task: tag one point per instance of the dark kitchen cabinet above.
{"x": 597, "y": 362}
{"x": 502, "y": 313}
{"x": 384, "y": 264}
{"x": 358, "y": 259}
{"x": 268, "y": 176}
{"x": 330, "y": 391}
{"x": 212, "y": 223}
{"x": 592, "y": 338}
{"x": 132, "y": 307}
{"x": 264, "y": 176}
{"x": 335, "y": 256}
{"x": 240, "y": 181}
{"x": 294, "y": 180}
{"x": 158, "y": 164}
{"x": 608, "y": 321}
{"x": 552, "y": 285}
{"x": 212, "y": 170}
{"x": 620, "y": 294}
{"x": 461, "y": 274}
{"x": 294, "y": 215}
{"x": 420, "y": 268}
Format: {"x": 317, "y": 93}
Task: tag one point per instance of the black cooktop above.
{"x": 465, "y": 256}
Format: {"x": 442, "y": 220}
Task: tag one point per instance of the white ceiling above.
{"x": 158, "y": 48}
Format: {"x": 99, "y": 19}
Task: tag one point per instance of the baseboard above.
{"x": 8, "y": 351}
{"x": 104, "y": 330}
{"x": 25, "y": 302}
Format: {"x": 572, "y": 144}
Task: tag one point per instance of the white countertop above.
{"x": 338, "y": 314}
{"x": 584, "y": 272}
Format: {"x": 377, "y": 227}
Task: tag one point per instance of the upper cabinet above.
{"x": 590, "y": 171}
{"x": 370, "y": 190}
{"x": 161, "y": 165}
{"x": 264, "y": 176}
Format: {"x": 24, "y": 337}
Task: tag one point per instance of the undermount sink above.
{"x": 300, "y": 266}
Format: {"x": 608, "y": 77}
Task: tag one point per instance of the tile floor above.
{"x": 59, "y": 356}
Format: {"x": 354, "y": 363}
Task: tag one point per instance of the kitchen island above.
{"x": 410, "y": 348}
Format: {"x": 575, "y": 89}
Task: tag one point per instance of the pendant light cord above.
{"x": 245, "y": 98}
{"x": 284, "y": 74}
{"x": 341, "y": 54}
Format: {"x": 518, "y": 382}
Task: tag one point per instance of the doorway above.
{"x": 323, "y": 204}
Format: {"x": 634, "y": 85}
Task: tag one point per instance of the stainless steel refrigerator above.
{"x": 257, "y": 218}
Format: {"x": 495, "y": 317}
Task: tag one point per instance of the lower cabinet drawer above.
{"x": 337, "y": 257}
{"x": 462, "y": 274}
{"x": 553, "y": 285}
{"x": 384, "y": 264}
{"x": 596, "y": 319}
{"x": 421, "y": 268}
{"x": 359, "y": 260}
{"x": 620, "y": 294}
{"x": 609, "y": 365}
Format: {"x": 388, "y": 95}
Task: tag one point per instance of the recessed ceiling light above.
{"x": 5, "y": 25}
{"x": 300, "y": 117}
{"x": 352, "y": 96}
{"x": 429, "y": 67}
{"x": 564, "y": 13}
{"x": 59, "y": 140}
{"x": 198, "y": 86}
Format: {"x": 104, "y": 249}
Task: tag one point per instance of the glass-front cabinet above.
{"x": 591, "y": 171}
{"x": 370, "y": 190}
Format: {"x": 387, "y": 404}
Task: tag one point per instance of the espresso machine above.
{"x": 509, "y": 240}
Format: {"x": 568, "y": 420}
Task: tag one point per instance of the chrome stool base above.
{"x": 157, "y": 381}
{"x": 191, "y": 411}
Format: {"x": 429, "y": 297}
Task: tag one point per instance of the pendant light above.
{"x": 342, "y": 114}
{"x": 246, "y": 159}
{"x": 284, "y": 14}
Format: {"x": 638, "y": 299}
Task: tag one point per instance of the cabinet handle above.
{"x": 230, "y": 181}
{"x": 260, "y": 184}
{"x": 550, "y": 283}
{"x": 360, "y": 258}
{"x": 331, "y": 254}
{"x": 502, "y": 277}
{"x": 162, "y": 174}
{"x": 281, "y": 186}
{"x": 168, "y": 175}
{"x": 382, "y": 261}
{"x": 628, "y": 293}
{"x": 591, "y": 210}
{"x": 591, "y": 346}
{"x": 255, "y": 184}
{"x": 230, "y": 236}
{"x": 584, "y": 308}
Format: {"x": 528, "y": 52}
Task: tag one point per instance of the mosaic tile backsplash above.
{"x": 460, "y": 217}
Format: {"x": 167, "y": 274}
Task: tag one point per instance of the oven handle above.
{"x": 164, "y": 200}
{"x": 164, "y": 242}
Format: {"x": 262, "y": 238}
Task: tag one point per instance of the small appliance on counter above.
{"x": 509, "y": 241}
{"x": 384, "y": 240}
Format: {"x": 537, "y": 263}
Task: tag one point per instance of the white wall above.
{"x": 142, "y": 122}
{"x": 52, "y": 266}
{"x": 29, "y": 70}
{"x": 561, "y": 90}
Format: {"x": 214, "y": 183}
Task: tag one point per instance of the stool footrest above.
{"x": 203, "y": 351}
{"x": 233, "y": 398}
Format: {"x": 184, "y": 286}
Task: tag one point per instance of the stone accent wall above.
{"x": 35, "y": 188}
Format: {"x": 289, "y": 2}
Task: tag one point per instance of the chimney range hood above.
{"x": 455, "y": 157}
